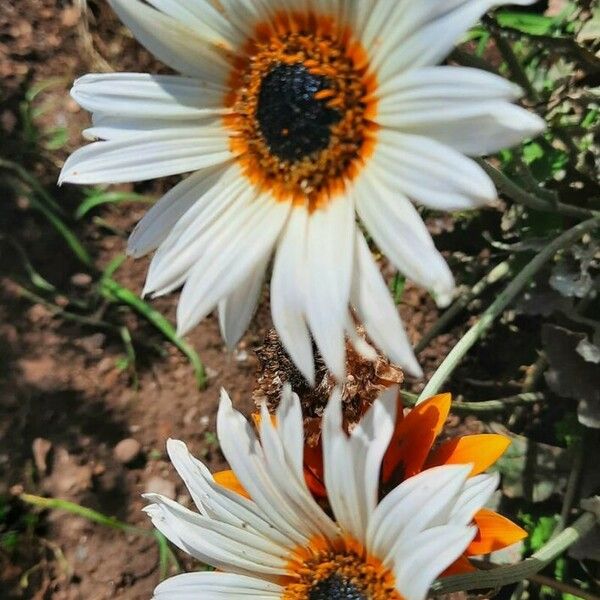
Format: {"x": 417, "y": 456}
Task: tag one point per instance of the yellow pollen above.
{"x": 342, "y": 572}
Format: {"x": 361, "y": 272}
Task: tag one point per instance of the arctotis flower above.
{"x": 297, "y": 116}
{"x": 282, "y": 544}
{"x": 413, "y": 450}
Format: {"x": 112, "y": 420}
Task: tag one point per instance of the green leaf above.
{"x": 397, "y": 287}
{"x": 529, "y": 23}
{"x": 70, "y": 238}
{"x": 57, "y": 138}
{"x": 542, "y": 532}
{"x": 116, "y": 292}
{"x": 98, "y": 198}
{"x": 81, "y": 511}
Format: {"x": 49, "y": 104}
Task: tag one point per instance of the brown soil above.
{"x": 60, "y": 388}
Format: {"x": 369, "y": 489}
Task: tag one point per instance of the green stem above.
{"x": 565, "y": 588}
{"x": 496, "y": 274}
{"x": 113, "y": 290}
{"x": 82, "y": 511}
{"x": 514, "y": 65}
{"x": 514, "y": 288}
{"x": 41, "y": 201}
{"x": 509, "y": 188}
{"x": 485, "y": 406}
{"x": 497, "y": 578}
{"x": 574, "y": 480}
{"x": 32, "y": 182}
{"x": 65, "y": 314}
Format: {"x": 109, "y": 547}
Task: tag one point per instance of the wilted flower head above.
{"x": 366, "y": 377}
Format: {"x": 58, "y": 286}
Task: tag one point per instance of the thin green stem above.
{"x": 574, "y": 480}
{"x": 514, "y": 65}
{"x": 33, "y": 183}
{"x": 82, "y": 511}
{"x": 514, "y": 288}
{"x": 509, "y": 188}
{"x": 496, "y": 274}
{"x": 65, "y": 314}
{"x": 484, "y": 407}
{"x": 497, "y": 578}
{"x": 114, "y": 291}
{"x": 565, "y": 588}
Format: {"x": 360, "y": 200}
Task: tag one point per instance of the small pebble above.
{"x": 126, "y": 451}
{"x": 40, "y": 448}
{"x": 164, "y": 487}
{"x": 81, "y": 280}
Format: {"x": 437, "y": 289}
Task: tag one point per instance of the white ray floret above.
{"x": 217, "y": 231}
{"x": 261, "y": 545}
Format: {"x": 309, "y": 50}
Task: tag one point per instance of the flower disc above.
{"x": 301, "y": 122}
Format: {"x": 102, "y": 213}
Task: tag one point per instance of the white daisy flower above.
{"x": 297, "y": 116}
{"x": 282, "y": 544}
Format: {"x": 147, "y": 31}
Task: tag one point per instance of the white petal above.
{"x": 158, "y": 222}
{"x": 352, "y": 463}
{"x": 223, "y": 206}
{"x": 290, "y": 426}
{"x": 244, "y": 15}
{"x": 288, "y": 293}
{"x": 175, "y": 44}
{"x": 475, "y": 128}
{"x": 201, "y": 16}
{"x": 216, "y": 586}
{"x": 478, "y": 490}
{"x": 340, "y": 478}
{"x": 330, "y": 243}
{"x": 370, "y": 21}
{"x": 420, "y": 34}
{"x": 218, "y": 544}
{"x": 247, "y": 459}
{"x": 411, "y": 507}
{"x": 153, "y": 155}
{"x": 289, "y": 475}
{"x": 401, "y": 234}
{"x": 220, "y": 503}
{"x": 369, "y": 441}
{"x": 151, "y": 96}
{"x": 109, "y": 128}
{"x": 435, "y": 86}
{"x": 228, "y": 260}
{"x": 378, "y": 313}
{"x": 431, "y": 173}
{"x": 237, "y": 309}
{"x": 430, "y": 554}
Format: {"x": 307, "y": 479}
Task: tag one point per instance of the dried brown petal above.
{"x": 365, "y": 380}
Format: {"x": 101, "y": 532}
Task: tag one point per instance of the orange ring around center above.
{"x": 324, "y": 49}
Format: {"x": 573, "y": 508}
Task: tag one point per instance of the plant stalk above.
{"x": 497, "y": 578}
{"x": 514, "y": 288}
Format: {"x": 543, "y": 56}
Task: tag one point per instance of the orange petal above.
{"x": 460, "y": 566}
{"x": 257, "y": 418}
{"x": 313, "y": 470}
{"x": 494, "y": 533}
{"x": 481, "y": 450}
{"x": 229, "y": 480}
{"x": 315, "y": 484}
{"x": 414, "y": 436}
